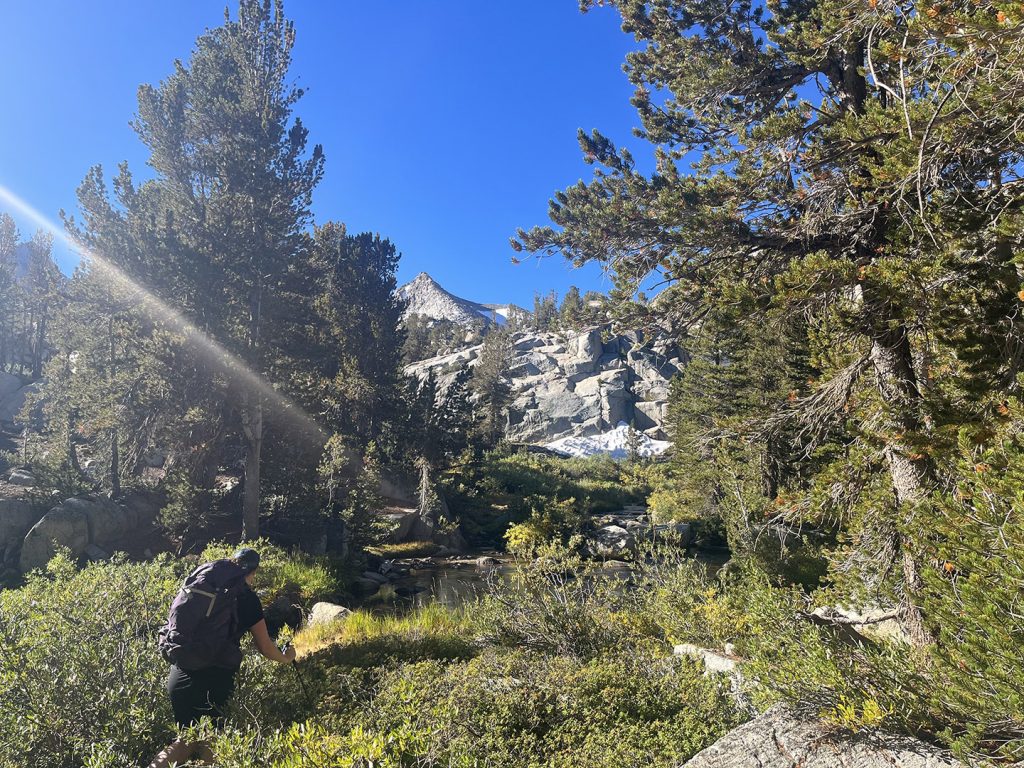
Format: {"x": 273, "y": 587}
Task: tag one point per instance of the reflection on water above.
{"x": 451, "y": 587}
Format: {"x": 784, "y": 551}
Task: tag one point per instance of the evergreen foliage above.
{"x": 852, "y": 165}
{"x": 491, "y": 385}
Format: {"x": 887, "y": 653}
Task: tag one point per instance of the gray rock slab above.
{"x": 21, "y": 477}
{"x": 9, "y": 384}
{"x": 780, "y": 738}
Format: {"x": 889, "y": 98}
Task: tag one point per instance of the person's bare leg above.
{"x": 178, "y": 753}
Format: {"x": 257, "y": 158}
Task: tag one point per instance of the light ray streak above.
{"x": 213, "y": 352}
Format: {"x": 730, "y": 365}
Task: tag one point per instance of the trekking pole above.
{"x": 302, "y": 681}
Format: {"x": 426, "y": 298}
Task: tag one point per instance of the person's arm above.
{"x": 266, "y": 646}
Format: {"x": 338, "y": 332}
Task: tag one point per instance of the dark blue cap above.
{"x": 247, "y": 559}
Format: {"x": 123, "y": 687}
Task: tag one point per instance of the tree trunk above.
{"x": 115, "y": 454}
{"x": 115, "y": 465}
{"x": 893, "y": 363}
{"x": 40, "y": 342}
{"x": 427, "y": 506}
{"x": 252, "y": 427}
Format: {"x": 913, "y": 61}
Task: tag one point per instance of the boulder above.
{"x": 681, "y": 532}
{"x": 9, "y": 384}
{"x": 11, "y": 405}
{"x": 366, "y": 587}
{"x": 872, "y": 623}
{"x": 96, "y": 553}
{"x": 64, "y": 526}
{"x": 649, "y": 415}
{"x": 23, "y": 478}
{"x": 589, "y": 346}
{"x": 611, "y": 541}
{"x": 282, "y": 611}
{"x": 326, "y": 613}
{"x": 108, "y": 521}
{"x": 782, "y": 738}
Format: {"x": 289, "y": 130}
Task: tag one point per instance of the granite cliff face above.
{"x": 570, "y": 385}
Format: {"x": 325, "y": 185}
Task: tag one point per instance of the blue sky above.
{"x": 445, "y": 124}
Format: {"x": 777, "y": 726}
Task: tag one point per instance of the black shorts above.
{"x": 200, "y": 693}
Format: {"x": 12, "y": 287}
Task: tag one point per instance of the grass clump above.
{"x": 405, "y": 549}
{"x": 294, "y": 574}
{"x": 366, "y": 639}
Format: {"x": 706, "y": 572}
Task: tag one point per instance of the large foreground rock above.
{"x": 79, "y": 523}
{"x": 782, "y": 739}
{"x": 63, "y": 526}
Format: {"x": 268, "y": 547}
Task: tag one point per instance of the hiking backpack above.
{"x": 203, "y": 619}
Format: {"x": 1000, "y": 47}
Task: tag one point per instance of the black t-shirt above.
{"x": 250, "y": 612}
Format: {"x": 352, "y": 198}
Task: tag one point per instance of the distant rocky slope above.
{"x": 577, "y": 385}
{"x": 427, "y": 298}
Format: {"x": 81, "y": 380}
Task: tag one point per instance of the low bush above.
{"x": 80, "y": 677}
{"x": 561, "y": 603}
{"x": 501, "y": 709}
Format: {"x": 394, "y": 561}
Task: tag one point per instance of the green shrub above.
{"x": 973, "y": 600}
{"x": 79, "y": 670}
{"x": 687, "y": 604}
{"x": 558, "y": 602}
{"x": 509, "y": 709}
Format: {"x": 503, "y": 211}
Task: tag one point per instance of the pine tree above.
{"x": 221, "y": 226}
{"x": 571, "y": 313}
{"x": 491, "y": 385}
{"x": 835, "y": 172}
{"x": 357, "y": 354}
{"x": 545, "y": 311}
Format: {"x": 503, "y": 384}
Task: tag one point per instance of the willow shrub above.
{"x": 79, "y": 670}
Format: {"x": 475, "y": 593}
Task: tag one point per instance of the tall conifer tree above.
{"x": 854, "y": 162}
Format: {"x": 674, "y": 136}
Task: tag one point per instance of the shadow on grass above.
{"x": 385, "y": 650}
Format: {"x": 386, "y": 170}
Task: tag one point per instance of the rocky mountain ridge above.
{"x": 568, "y": 385}
{"x": 427, "y": 298}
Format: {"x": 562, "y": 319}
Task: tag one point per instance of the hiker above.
{"x": 208, "y": 618}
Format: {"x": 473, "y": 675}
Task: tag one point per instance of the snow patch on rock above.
{"x": 615, "y": 443}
